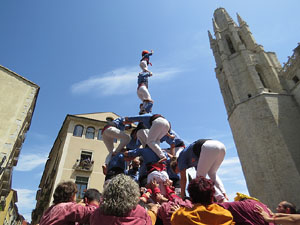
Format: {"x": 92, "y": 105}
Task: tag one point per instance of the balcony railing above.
{"x": 84, "y": 165}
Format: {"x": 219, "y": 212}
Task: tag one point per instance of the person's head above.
{"x": 65, "y": 192}
{"x": 120, "y": 196}
{"x": 92, "y": 196}
{"x": 201, "y": 190}
{"x": 286, "y": 207}
{"x": 113, "y": 172}
{"x": 174, "y": 164}
{"x": 136, "y": 162}
{"x": 145, "y": 52}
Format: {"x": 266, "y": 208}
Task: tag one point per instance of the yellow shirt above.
{"x": 203, "y": 215}
{"x": 152, "y": 216}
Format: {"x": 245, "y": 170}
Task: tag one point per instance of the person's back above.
{"x": 137, "y": 216}
{"x": 120, "y": 204}
{"x": 65, "y": 211}
{"x": 212, "y": 214}
{"x": 204, "y": 211}
{"x": 243, "y": 212}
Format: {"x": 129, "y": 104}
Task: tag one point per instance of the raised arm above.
{"x": 277, "y": 218}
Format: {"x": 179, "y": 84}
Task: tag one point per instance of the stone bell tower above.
{"x": 264, "y": 117}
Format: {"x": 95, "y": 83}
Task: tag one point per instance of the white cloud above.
{"x": 119, "y": 81}
{"x": 28, "y": 162}
{"x": 26, "y": 202}
{"x": 232, "y": 176}
{"x": 233, "y": 161}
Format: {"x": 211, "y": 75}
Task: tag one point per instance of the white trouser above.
{"x": 159, "y": 128}
{"x": 143, "y": 93}
{"x": 211, "y": 156}
{"x": 160, "y": 177}
{"x": 108, "y": 137}
{"x": 143, "y": 65}
{"x": 142, "y": 136}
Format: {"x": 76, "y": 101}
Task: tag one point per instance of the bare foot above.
{"x": 162, "y": 160}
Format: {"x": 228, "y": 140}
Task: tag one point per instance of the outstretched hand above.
{"x": 154, "y": 184}
{"x": 174, "y": 208}
{"x": 262, "y": 212}
{"x": 168, "y": 182}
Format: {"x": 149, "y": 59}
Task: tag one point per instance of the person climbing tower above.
{"x": 115, "y": 130}
{"x": 142, "y": 89}
{"x": 158, "y": 127}
{"x": 143, "y": 93}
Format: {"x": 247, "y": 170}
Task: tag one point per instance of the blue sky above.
{"x": 85, "y": 54}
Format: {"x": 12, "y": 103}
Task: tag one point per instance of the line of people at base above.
{"x": 124, "y": 203}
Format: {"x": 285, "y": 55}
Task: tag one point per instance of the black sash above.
{"x": 198, "y": 145}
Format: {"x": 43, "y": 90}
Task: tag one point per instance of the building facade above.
{"x": 262, "y": 102}
{"x": 10, "y": 215}
{"x": 17, "y": 103}
{"x": 78, "y": 154}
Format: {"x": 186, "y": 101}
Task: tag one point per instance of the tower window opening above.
{"x": 261, "y": 76}
{"x": 230, "y": 45}
{"x": 295, "y": 79}
{"x": 261, "y": 79}
{"x": 242, "y": 40}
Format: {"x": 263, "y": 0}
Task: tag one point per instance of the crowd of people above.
{"x": 147, "y": 185}
{"x": 124, "y": 202}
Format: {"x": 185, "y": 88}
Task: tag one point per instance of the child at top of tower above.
{"x": 145, "y": 60}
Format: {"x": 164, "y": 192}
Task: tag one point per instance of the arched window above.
{"x": 90, "y": 133}
{"x": 242, "y": 40}
{"x": 261, "y": 76}
{"x": 78, "y": 130}
{"x": 99, "y": 134}
{"x": 230, "y": 44}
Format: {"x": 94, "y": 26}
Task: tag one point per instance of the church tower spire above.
{"x": 264, "y": 119}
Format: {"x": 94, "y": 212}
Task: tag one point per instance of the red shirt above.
{"x": 137, "y": 216}
{"x": 243, "y": 212}
{"x": 67, "y": 213}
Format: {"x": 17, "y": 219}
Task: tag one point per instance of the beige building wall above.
{"x": 64, "y": 159}
{"x": 17, "y": 102}
{"x": 9, "y": 214}
{"x": 262, "y": 109}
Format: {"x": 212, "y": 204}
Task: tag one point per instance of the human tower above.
{"x": 159, "y": 165}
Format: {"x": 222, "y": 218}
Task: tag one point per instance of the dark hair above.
{"x": 173, "y": 163}
{"x": 113, "y": 172}
{"x": 201, "y": 190}
{"x": 92, "y": 194}
{"x": 291, "y": 206}
{"x": 64, "y": 192}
